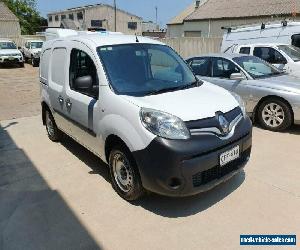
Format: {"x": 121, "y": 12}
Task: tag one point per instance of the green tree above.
{"x": 29, "y": 17}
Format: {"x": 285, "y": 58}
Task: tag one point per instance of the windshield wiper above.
{"x": 197, "y": 83}
{"x": 161, "y": 91}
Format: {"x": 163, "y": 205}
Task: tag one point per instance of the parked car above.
{"x": 271, "y": 96}
{"x": 284, "y": 57}
{"x": 277, "y": 32}
{"x": 32, "y": 51}
{"x": 9, "y": 53}
{"x": 136, "y": 104}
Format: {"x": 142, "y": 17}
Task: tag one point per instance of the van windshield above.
{"x": 292, "y": 51}
{"x": 7, "y": 45}
{"x": 36, "y": 45}
{"x": 256, "y": 67}
{"x": 145, "y": 69}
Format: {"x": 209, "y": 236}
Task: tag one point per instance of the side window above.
{"x": 296, "y": 40}
{"x": 58, "y": 66}
{"x": 245, "y": 50}
{"x": 201, "y": 66}
{"x": 44, "y": 66}
{"x": 164, "y": 66}
{"x": 82, "y": 65}
{"x": 223, "y": 68}
{"x": 269, "y": 55}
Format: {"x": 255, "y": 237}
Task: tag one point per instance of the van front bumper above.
{"x": 188, "y": 167}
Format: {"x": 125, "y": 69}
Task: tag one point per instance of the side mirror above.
{"x": 237, "y": 77}
{"x": 83, "y": 83}
{"x": 19, "y": 48}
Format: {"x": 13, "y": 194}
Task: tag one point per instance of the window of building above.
{"x": 96, "y": 23}
{"x": 63, "y": 17}
{"x": 71, "y": 16}
{"x": 192, "y": 34}
{"x": 201, "y": 66}
{"x": 82, "y": 65}
{"x": 50, "y": 18}
{"x": 56, "y": 18}
{"x": 245, "y": 50}
{"x": 132, "y": 25}
{"x": 270, "y": 55}
{"x": 223, "y": 68}
{"x": 79, "y": 15}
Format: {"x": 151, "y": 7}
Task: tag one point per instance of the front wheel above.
{"x": 53, "y": 132}
{"x": 124, "y": 174}
{"x": 275, "y": 115}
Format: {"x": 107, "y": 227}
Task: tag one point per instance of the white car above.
{"x": 136, "y": 104}
{"x": 32, "y": 51}
{"x": 9, "y": 53}
{"x": 285, "y": 57}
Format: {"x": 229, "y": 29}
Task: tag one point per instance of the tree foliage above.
{"x": 29, "y": 17}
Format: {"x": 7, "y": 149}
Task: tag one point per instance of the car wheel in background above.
{"x": 34, "y": 63}
{"x": 124, "y": 174}
{"x": 53, "y": 132}
{"x": 275, "y": 115}
{"x": 21, "y": 65}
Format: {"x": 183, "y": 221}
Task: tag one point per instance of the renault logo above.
{"x": 224, "y": 124}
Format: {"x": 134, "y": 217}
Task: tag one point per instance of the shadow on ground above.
{"x": 32, "y": 216}
{"x": 162, "y": 206}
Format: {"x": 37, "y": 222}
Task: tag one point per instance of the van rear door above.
{"x": 57, "y": 78}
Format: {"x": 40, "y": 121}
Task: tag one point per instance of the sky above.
{"x": 143, "y": 8}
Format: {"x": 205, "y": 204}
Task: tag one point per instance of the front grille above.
{"x": 218, "y": 172}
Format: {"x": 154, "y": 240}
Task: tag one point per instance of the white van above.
{"x": 283, "y": 56}
{"x": 279, "y": 33}
{"x": 135, "y": 103}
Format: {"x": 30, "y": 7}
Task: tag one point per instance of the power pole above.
{"x": 156, "y": 15}
{"x": 115, "y": 6}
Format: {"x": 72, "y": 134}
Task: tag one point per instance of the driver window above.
{"x": 82, "y": 65}
{"x": 270, "y": 55}
{"x": 223, "y": 68}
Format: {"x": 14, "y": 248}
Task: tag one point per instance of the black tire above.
{"x": 34, "y": 63}
{"x": 53, "y": 132}
{"x": 130, "y": 171}
{"x": 21, "y": 65}
{"x": 282, "y": 118}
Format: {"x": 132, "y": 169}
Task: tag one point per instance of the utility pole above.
{"x": 115, "y": 6}
{"x": 156, "y": 15}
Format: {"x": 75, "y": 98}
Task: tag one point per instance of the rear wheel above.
{"x": 275, "y": 115}
{"x": 53, "y": 132}
{"x": 124, "y": 174}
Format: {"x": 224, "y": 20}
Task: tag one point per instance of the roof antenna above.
{"x": 136, "y": 38}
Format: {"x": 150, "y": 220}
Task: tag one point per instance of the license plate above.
{"x": 229, "y": 156}
{"x": 11, "y": 58}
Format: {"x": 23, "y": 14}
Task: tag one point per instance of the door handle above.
{"x": 68, "y": 104}
{"x": 61, "y": 100}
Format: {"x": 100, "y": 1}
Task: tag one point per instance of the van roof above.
{"x": 97, "y": 39}
{"x": 258, "y": 26}
{"x": 262, "y": 44}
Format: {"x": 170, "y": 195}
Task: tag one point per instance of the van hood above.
{"x": 190, "y": 104}
{"x": 9, "y": 51}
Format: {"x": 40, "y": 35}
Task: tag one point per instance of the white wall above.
{"x": 187, "y": 47}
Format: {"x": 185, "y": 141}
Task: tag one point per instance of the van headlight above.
{"x": 164, "y": 125}
{"x": 241, "y": 103}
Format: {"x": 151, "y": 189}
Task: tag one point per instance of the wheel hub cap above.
{"x": 122, "y": 172}
{"x": 273, "y": 115}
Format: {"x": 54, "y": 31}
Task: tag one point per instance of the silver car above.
{"x": 271, "y": 96}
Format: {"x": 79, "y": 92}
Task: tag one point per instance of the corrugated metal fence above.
{"x": 187, "y": 46}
